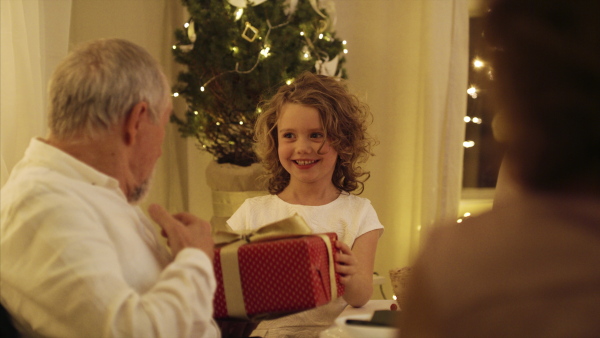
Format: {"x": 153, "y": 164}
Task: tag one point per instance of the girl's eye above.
{"x": 288, "y": 135}
{"x": 316, "y": 135}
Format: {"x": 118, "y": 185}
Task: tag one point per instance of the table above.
{"x": 339, "y": 330}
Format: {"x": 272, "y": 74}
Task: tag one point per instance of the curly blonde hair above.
{"x": 343, "y": 116}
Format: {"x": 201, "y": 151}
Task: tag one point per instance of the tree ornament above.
{"x": 250, "y": 33}
{"x": 243, "y": 3}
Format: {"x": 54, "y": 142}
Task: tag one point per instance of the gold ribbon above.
{"x": 230, "y": 243}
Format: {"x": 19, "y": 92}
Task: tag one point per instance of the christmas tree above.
{"x": 238, "y": 53}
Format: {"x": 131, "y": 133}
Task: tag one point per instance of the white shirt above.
{"x": 349, "y": 216}
{"x": 78, "y": 260}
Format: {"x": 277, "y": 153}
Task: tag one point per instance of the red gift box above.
{"x": 279, "y": 277}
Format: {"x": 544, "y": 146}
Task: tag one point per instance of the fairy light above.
{"x": 174, "y": 47}
{"x": 467, "y": 119}
{"x": 467, "y": 214}
{"x": 344, "y": 42}
{"x": 459, "y": 220}
{"x": 468, "y": 144}
{"x": 478, "y": 64}
{"x": 241, "y": 123}
{"x": 265, "y": 51}
{"x": 394, "y": 297}
{"x": 288, "y": 82}
{"x": 472, "y": 91}
{"x": 477, "y": 120}
{"x": 238, "y": 13}
{"x": 345, "y": 51}
{"x": 218, "y": 123}
{"x": 202, "y": 88}
{"x": 176, "y": 94}
{"x": 235, "y": 49}
{"x": 196, "y": 112}
{"x": 321, "y": 36}
{"x": 302, "y": 33}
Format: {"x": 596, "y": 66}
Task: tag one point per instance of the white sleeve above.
{"x": 62, "y": 276}
{"x": 370, "y": 221}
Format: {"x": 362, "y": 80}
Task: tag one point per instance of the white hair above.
{"x": 97, "y": 85}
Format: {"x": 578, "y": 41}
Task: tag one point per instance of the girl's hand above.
{"x": 346, "y": 263}
{"x": 355, "y": 267}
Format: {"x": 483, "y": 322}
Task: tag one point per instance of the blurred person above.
{"x": 78, "y": 256}
{"x": 530, "y": 268}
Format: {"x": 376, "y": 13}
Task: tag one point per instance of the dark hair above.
{"x": 546, "y": 69}
{"x": 345, "y": 120}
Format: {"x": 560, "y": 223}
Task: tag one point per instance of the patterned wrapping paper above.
{"x": 280, "y": 277}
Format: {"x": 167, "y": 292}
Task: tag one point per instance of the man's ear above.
{"x": 133, "y": 121}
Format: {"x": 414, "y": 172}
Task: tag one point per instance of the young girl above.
{"x": 311, "y": 138}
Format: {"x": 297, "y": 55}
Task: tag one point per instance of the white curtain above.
{"x": 35, "y": 35}
{"x": 409, "y": 60}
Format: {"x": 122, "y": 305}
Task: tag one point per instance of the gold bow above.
{"x": 288, "y": 227}
{"x": 231, "y": 241}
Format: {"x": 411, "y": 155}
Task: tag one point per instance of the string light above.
{"x": 265, "y": 51}
{"x": 472, "y": 91}
{"x": 235, "y": 49}
{"x": 195, "y": 112}
{"x": 345, "y": 51}
{"x": 241, "y": 123}
{"x": 202, "y": 88}
{"x": 289, "y": 81}
{"x": 478, "y": 64}
{"x": 301, "y": 33}
{"x": 218, "y": 123}
{"x": 186, "y": 25}
{"x": 174, "y": 47}
{"x": 476, "y": 120}
{"x": 459, "y": 220}
{"x": 321, "y": 36}
{"x": 468, "y": 144}
{"x": 176, "y": 94}
{"x": 344, "y": 42}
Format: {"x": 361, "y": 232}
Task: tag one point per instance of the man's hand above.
{"x": 183, "y": 230}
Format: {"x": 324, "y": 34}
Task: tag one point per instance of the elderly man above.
{"x": 78, "y": 257}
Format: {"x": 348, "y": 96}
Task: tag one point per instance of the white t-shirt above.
{"x": 79, "y": 261}
{"x": 349, "y": 216}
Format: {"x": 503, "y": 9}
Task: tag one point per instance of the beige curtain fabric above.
{"x": 409, "y": 60}
{"x": 34, "y": 37}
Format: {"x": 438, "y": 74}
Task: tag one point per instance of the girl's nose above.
{"x": 304, "y": 146}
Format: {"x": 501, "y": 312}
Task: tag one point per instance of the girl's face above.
{"x": 300, "y": 134}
